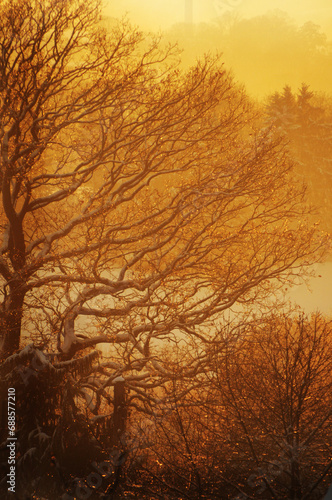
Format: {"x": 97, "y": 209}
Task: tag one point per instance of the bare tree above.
{"x": 138, "y": 203}
{"x": 274, "y": 386}
{"x": 257, "y": 424}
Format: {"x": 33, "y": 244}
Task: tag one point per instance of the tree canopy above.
{"x": 133, "y": 195}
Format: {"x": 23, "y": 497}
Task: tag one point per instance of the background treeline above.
{"x": 272, "y": 52}
{"x": 264, "y": 52}
{"x": 304, "y": 116}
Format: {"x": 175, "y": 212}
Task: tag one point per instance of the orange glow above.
{"x": 265, "y": 47}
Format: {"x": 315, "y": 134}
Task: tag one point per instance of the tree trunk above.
{"x": 12, "y": 320}
{"x": 296, "y": 490}
{"x": 118, "y": 430}
{"x": 119, "y": 414}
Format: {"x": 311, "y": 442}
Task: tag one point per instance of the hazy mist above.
{"x": 265, "y": 47}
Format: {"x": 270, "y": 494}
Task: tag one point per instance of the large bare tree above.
{"x": 138, "y": 203}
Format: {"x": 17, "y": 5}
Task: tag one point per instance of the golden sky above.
{"x": 161, "y": 14}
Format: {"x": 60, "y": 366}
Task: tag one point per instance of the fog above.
{"x": 265, "y": 47}
{"x": 161, "y": 14}
{"x": 317, "y": 295}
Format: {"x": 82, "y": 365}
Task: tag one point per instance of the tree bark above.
{"x": 120, "y": 414}
{"x": 12, "y": 319}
